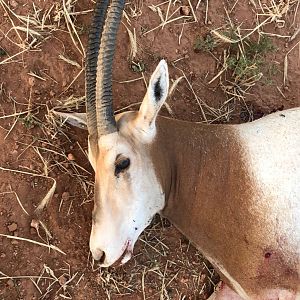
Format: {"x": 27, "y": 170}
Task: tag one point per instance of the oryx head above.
{"x": 127, "y": 191}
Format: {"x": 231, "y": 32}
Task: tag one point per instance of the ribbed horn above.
{"x": 91, "y": 65}
{"x": 105, "y": 115}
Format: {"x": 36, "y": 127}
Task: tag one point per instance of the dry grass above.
{"x": 18, "y": 199}
{"x": 49, "y": 194}
{"x": 49, "y": 246}
{"x": 272, "y": 12}
{"x": 240, "y": 65}
{"x": 156, "y": 274}
{"x": 172, "y": 14}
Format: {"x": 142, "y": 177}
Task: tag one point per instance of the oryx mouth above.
{"x": 127, "y": 251}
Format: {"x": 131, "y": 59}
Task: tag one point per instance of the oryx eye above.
{"x": 122, "y": 163}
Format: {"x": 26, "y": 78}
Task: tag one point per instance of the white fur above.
{"x": 272, "y": 151}
{"x": 126, "y": 204}
{"x": 145, "y": 123}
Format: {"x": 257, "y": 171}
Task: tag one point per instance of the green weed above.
{"x": 206, "y": 44}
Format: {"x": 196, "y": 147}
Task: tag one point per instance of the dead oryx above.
{"x": 233, "y": 190}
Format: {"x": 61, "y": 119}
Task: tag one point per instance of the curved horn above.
{"x": 91, "y": 65}
{"x": 105, "y": 115}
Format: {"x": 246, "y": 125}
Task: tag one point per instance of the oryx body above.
{"x": 233, "y": 190}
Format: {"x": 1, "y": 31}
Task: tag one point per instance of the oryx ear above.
{"x": 156, "y": 95}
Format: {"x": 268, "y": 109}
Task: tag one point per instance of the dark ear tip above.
{"x": 157, "y": 90}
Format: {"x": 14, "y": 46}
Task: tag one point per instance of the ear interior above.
{"x": 74, "y": 119}
{"x": 156, "y": 95}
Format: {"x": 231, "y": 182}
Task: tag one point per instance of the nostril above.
{"x": 102, "y": 258}
{"x": 99, "y": 255}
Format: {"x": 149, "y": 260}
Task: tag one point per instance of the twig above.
{"x": 33, "y": 242}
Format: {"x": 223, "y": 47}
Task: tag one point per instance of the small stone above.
{"x": 12, "y": 227}
{"x": 10, "y": 283}
{"x": 52, "y": 93}
{"x": 62, "y": 280}
{"x": 35, "y": 224}
{"x": 13, "y": 3}
{"x": 31, "y": 81}
{"x": 71, "y": 157}
{"x": 14, "y": 242}
{"x": 185, "y": 10}
{"x": 65, "y": 196}
{"x": 209, "y": 22}
{"x": 2, "y": 255}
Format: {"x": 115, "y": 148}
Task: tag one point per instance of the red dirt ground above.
{"x": 165, "y": 265}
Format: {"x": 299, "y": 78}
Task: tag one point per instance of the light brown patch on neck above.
{"x": 210, "y": 198}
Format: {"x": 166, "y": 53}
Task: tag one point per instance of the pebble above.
{"x": 13, "y": 3}
{"x": 35, "y": 224}
{"x": 10, "y": 283}
{"x": 2, "y": 255}
{"x": 65, "y": 196}
{"x": 12, "y": 227}
{"x": 62, "y": 280}
{"x": 31, "y": 81}
{"x": 71, "y": 157}
{"x": 185, "y": 10}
